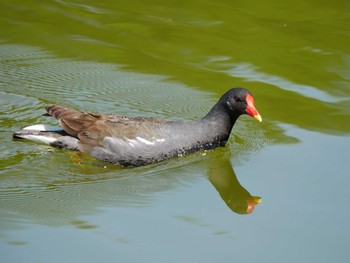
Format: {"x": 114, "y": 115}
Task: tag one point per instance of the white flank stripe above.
{"x": 131, "y": 142}
{"x": 145, "y": 141}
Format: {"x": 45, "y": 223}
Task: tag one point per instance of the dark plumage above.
{"x": 141, "y": 141}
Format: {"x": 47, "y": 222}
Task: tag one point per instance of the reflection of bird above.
{"x": 223, "y": 177}
{"x": 140, "y": 141}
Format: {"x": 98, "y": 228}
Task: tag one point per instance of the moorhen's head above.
{"x": 240, "y": 101}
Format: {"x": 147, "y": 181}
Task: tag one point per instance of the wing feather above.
{"x": 109, "y": 134}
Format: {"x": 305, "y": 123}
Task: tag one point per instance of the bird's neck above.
{"x": 223, "y": 118}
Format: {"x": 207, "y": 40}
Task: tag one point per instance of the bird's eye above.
{"x": 238, "y": 99}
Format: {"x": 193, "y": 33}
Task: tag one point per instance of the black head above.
{"x": 240, "y": 101}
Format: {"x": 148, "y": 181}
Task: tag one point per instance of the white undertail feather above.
{"x": 39, "y": 138}
{"x": 42, "y": 127}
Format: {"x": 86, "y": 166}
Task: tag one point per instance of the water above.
{"x": 173, "y": 60}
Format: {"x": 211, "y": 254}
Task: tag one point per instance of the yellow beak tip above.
{"x": 258, "y": 118}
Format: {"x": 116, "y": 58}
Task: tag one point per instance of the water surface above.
{"x": 173, "y": 60}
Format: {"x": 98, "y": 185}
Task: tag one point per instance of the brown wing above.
{"x": 92, "y": 128}
{"x": 73, "y": 122}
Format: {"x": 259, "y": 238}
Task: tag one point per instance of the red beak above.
{"x": 251, "y": 110}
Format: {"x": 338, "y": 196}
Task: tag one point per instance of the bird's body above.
{"x": 138, "y": 141}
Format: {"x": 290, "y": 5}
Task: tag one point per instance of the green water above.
{"x": 173, "y": 59}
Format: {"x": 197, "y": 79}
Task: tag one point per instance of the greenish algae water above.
{"x": 173, "y": 59}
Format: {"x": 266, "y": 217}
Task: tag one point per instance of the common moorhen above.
{"x": 137, "y": 141}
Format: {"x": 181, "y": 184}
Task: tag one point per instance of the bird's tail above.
{"x": 46, "y": 134}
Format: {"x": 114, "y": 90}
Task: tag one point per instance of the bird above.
{"x": 138, "y": 141}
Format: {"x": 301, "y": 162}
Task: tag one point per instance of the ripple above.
{"x": 249, "y": 72}
{"x": 93, "y": 86}
{"x": 60, "y": 202}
